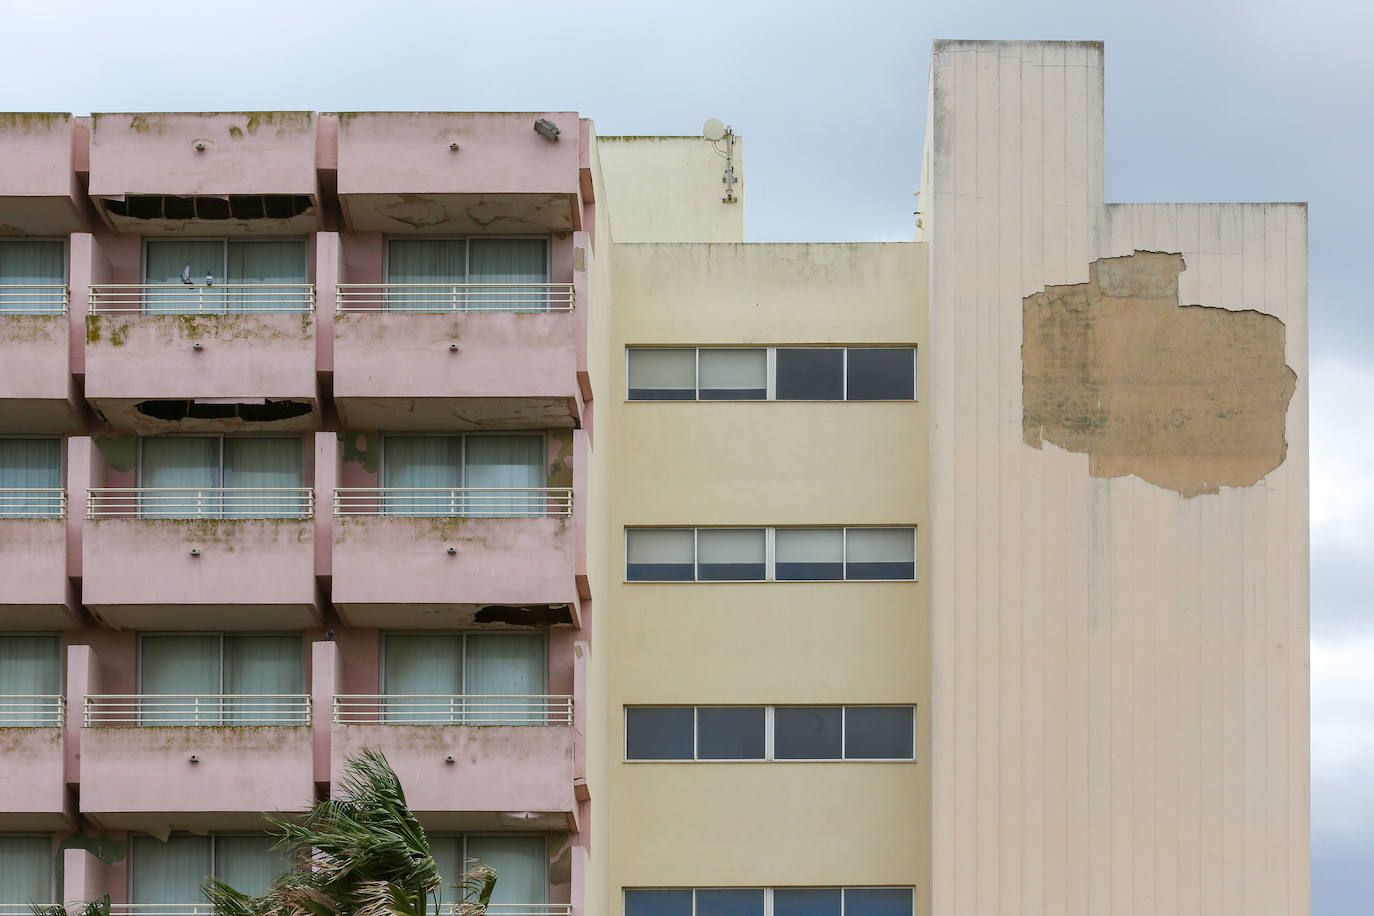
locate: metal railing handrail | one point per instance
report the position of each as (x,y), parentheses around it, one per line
(200,502)
(455,502)
(510,909)
(160,909)
(35,299)
(32,710)
(33,502)
(195,298)
(453,709)
(425,298)
(198,708)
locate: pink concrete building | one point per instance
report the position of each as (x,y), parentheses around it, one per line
(293,416)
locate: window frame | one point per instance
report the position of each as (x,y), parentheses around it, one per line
(467,250)
(223,276)
(66,243)
(220,438)
(770,553)
(463,835)
(771,367)
(53,891)
(542,435)
(211,835)
(769,755)
(220,635)
(463,658)
(768,891)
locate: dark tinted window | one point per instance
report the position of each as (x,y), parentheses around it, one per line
(661,733)
(730,902)
(807,733)
(810,375)
(806,901)
(729,733)
(659,555)
(658,903)
(881,374)
(878,733)
(877,901)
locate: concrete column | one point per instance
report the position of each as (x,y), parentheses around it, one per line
(83,679)
(328,267)
(326,479)
(325,669)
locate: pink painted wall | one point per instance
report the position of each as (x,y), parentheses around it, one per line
(33,795)
(246,153)
(33,568)
(36,393)
(38,191)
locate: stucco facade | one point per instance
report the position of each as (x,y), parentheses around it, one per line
(975,564)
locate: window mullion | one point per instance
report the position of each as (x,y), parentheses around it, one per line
(695,732)
(769,553)
(844,374)
(695,576)
(844,720)
(696,373)
(771,380)
(768,733)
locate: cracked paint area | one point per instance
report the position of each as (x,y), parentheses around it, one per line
(1190,398)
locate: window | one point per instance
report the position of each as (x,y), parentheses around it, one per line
(219,274)
(770,554)
(27,266)
(520,860)
(475,475)
(30,680)
(30,477)
(771,373)
(173,872)
(219,477)
(214,679)
(754,901)
(476,269)
(770,733)
(441,678)
(26,873)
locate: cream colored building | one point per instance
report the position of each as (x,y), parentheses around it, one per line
(1104,463)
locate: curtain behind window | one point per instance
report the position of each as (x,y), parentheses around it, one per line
(26,466)
(520,261)
(170,872)
(163,264)
(262,665)
(505,461)
(26,870)
(277,262)
(185,665)
(256,467)
(32,263)
(248,863)
(520,865)
(423,462)
(188,464)
(426,261)
(507,664)
(29,665)
(417,665)
(448,856)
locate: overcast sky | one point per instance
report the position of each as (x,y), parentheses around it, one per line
(1207,100)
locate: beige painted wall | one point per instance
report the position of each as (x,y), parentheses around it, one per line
(1120,686)
(669,189)
(714,824)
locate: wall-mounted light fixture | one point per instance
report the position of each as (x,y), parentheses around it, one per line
(547,129)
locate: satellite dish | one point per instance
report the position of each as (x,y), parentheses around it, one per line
(713,129)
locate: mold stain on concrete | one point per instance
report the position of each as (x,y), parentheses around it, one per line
(119,452)
(1190,398)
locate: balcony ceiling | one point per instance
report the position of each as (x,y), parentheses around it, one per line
(503,213)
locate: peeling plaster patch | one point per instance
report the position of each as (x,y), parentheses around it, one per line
(415,210)
(119,452)
(1190,398)
(528,615)
(560,863)
(362,448)
(561,471)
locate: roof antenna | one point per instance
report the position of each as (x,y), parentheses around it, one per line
(715,131)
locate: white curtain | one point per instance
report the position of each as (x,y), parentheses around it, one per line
(186,665)
(32,263)
(448,856)
(663,374)
(29,665)
(248,863)
(26,870)
(258,665)
(426,261)
(505,461)
(518,261)
(416,665)
(422,462)
(734,374)
(163,265)
(269,261)
(27,465)
(255,467)
(506,664)
(189,463)
(170,872)
(520,863)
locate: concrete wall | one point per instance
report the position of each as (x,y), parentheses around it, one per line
(1120,685)
(669,189)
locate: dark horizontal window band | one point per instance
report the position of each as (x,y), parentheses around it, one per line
(809,572)
(880,571)
(820,373)
(662,394)
(659,572)
(731,572)
(734,394)
(770,733)
(788,901)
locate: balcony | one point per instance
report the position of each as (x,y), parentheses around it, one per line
(248,754)
(36,394)
(39,195)
(33,791)
(162,558)
(463,764)
(440,558)
(33,561)
(456,356)
(202,358)
(451,172)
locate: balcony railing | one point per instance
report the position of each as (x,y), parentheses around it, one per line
(424,298)
(202,502)
(454,502)
(32,710)
(24,909)
(508,909)
(444,709)
(219,299)
(157,909)
(46,502)
(34,299)
(197,709)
